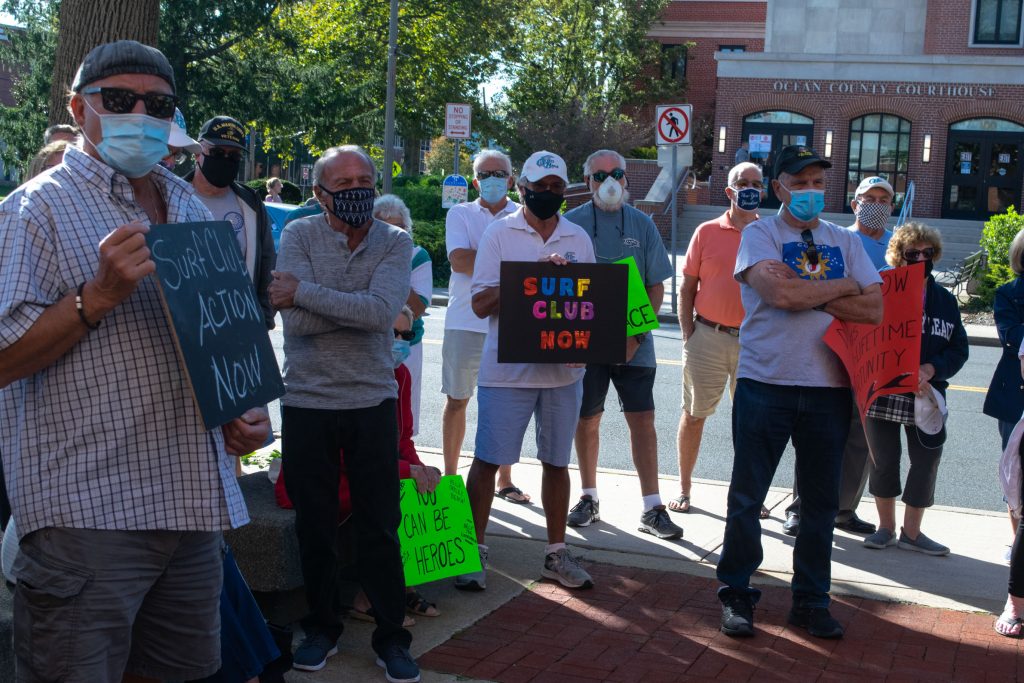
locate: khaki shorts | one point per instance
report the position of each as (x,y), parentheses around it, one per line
(460,362)
(709,363)
(92,604)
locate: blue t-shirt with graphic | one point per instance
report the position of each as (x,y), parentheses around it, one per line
(785,347)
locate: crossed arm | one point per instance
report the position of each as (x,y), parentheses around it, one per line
(842,298)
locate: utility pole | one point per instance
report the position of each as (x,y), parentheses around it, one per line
(389,107)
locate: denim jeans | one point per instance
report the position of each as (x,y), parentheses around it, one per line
(764,418)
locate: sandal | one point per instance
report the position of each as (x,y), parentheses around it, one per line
(368,615)
(513,494)
(420,606)
(765,513)
(1010,625)
(680,503)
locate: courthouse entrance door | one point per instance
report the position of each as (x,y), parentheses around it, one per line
(983,168)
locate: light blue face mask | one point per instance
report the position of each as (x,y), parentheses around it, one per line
(493,189)
(132,143)
(805,205)
(400,351)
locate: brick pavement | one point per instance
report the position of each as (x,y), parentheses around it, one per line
(654,626)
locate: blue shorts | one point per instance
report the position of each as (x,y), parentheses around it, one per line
(503,414)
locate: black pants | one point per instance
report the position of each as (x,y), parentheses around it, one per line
(312,440)
(1016,586)
(884,440)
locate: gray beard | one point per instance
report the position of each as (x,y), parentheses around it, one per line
(604,206)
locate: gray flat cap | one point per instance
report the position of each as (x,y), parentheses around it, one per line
(122,57)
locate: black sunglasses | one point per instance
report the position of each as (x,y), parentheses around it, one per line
(913,255)
(601,176)
(120,101)
(812,250)
(484,175)
(221,153)
(407,335)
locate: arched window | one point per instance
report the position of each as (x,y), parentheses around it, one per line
(778,117)
(988,125)
(879,146)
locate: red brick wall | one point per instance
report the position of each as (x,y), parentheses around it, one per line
(738,97)
(948,31)
(715,12)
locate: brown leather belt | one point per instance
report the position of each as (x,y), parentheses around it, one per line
(718,327)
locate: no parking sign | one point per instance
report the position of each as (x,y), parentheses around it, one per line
(672,124)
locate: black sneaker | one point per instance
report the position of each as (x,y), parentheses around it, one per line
(791,527)
(817,620)
(313,652)
(585,512)
(737,616)
(657,523)
(398,665)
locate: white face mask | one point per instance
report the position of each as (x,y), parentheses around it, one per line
(610,195)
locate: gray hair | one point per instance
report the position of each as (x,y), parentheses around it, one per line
(487,154)
(58,128)
(1017,253)
(391,205)
(736,171)
(588,165)
(318,167)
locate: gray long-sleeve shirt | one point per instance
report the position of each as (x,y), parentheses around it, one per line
(338,336)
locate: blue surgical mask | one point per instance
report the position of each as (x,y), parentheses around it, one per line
(493,189)
(747,198)
(805,205)
(399,351)
(132,143)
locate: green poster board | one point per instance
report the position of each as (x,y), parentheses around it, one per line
(437,534)
(640,315)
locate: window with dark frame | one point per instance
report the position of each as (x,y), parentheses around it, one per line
(673,62)
(997,22)
(732,48)
(879,146)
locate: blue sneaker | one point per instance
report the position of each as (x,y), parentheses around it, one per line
(313,652)
(399,666)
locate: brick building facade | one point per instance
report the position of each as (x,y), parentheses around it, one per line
(923,91)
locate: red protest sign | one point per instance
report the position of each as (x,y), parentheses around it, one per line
(884,359)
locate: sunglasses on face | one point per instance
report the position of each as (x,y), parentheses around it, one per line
(121,101)
(484,175)
(221,153)
(812,250)
(406,335)
(601,176)
(914,255)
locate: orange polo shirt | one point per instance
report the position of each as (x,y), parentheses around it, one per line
(711,257)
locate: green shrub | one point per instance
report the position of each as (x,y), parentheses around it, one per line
(430,236)
(993,278)
(290,192)
(643,152)
(998,233)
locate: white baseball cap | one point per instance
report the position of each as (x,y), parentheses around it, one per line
(542,164)
(874,181)
(179,138)
(930,414)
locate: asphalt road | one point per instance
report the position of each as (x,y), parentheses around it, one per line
(967,474)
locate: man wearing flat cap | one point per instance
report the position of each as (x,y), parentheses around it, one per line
(119,491)
(797,273)
(222,139)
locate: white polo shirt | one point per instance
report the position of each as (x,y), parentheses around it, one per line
(512,239)
(463,229)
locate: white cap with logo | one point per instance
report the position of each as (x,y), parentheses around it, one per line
(872,182)
(542,164)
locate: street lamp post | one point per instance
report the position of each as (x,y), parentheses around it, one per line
(389,107)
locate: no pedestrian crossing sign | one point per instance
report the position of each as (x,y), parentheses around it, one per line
(672,124)
(457,119)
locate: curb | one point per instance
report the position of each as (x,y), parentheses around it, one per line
(973,340)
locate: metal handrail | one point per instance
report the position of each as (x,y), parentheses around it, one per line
(682,179)
(907,210)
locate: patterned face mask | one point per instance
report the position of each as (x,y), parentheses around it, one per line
(353,206)
(873,216)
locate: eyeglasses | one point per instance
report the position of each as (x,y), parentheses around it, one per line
(558,187)
(872,200)
(406,335)
(221,153)
(120,101)
(484,175)
(601,176)
(812,250)
(914,255)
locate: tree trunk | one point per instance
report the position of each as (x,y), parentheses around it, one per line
(84,24)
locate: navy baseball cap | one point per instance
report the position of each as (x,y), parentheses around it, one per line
(795,158)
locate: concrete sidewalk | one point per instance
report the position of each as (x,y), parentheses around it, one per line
(884,596)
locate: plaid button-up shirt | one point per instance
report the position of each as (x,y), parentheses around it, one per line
(108,437)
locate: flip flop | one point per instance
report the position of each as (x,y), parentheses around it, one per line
(368,615)
(513,494)
(680,503)
(1012,626)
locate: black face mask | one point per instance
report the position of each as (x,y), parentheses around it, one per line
(354,206)
(544,204)
(220,171)
(928,263)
